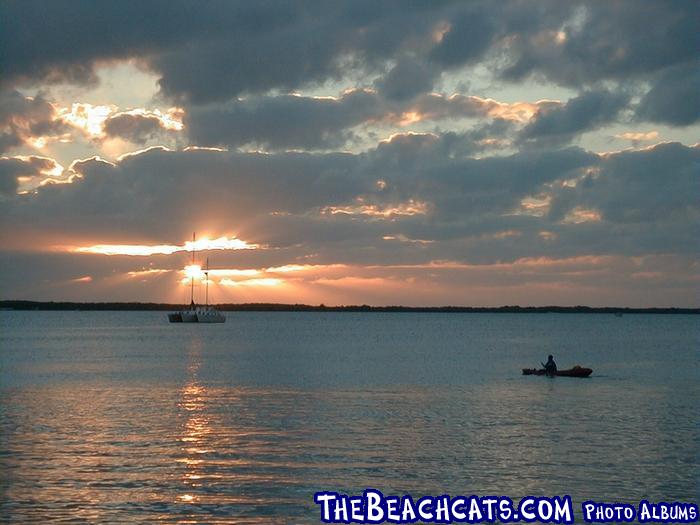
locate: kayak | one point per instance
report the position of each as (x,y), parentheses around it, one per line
(577,371)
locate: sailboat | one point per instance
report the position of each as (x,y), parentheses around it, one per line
(208,314)
(198,314)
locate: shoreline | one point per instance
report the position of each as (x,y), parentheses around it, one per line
(20,305)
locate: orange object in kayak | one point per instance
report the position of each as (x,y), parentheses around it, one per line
(577,371)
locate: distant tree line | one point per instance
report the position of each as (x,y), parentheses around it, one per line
(274,307)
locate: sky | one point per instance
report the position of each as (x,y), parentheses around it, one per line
(360,152)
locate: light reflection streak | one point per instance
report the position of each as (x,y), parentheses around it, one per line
(196,428)
(215,455)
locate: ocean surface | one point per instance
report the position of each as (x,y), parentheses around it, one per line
(120,417)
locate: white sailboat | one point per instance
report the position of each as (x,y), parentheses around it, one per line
(198,314)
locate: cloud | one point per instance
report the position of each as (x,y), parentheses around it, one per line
(382,212)
(286,121)
(289,46)
(135,128)
(34,123)
(438,107)
(9,171)
(138,126)
(627,191)
(582,44)
(560,124)
(222,243)
(407,79)
(220,51)
(470,33)
(14,169)
(27,120)
(404,209)
(62,42)
(298,122)
(596,280)
(419,192)
(675,98)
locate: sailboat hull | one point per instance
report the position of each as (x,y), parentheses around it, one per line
(189,316)
(210,316)
(199,315)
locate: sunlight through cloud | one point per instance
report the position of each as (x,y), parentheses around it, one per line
(222,243)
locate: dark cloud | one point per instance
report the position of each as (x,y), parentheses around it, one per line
(606,41)
(675,98)
(492,136)
(209,51)
(134,127)
(285,121)
(145,192)
(12,168)
(407,79)
(650,186)
(8,179)
(23,117)
(305,44)
(469,35)
(294,122)
(437,107)
(62,41)
(560,124)
(219,50)
(93,167)
(328,203)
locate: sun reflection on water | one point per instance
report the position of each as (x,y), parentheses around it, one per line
(196,429)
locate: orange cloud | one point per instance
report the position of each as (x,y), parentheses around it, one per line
(222,243)
(580,215)
(410,207)
(252,282)
(146,273)
(435,106)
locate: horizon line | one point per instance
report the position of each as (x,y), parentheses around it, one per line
(20,304)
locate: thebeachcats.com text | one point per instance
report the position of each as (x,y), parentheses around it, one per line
(374,507)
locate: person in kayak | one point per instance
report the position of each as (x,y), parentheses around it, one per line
(550,367)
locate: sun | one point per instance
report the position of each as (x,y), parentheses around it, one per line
(193,271)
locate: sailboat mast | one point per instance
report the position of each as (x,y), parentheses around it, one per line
(206,280)
(192,280)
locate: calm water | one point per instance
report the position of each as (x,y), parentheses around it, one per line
(120,417)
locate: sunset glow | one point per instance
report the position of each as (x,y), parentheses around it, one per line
(87,117)
(222,243)
(251,282)
(420,167)
(147,273)
(193,271)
